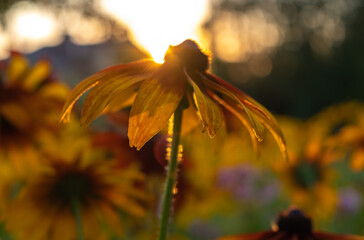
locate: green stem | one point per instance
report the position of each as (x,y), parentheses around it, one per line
(171,174)
(77,214)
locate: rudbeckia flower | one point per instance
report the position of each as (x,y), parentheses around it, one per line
(157,90)
(44,206)
(29,100)
(308,177)
(292,225)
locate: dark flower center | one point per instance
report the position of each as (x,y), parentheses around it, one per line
(307,174)
(295,222)
(73,185)
(189,54)
(7,129)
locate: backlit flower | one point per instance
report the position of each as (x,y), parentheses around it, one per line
(162,87)
(292,225)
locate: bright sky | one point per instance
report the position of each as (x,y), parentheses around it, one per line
(159,23)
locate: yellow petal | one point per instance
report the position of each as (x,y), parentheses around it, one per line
(210,112)
(122,100)
(17,68)
(37,75)
(104,75)
(155,103)
(102,94)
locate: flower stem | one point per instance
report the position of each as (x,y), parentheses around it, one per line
(77,214)
(171,174)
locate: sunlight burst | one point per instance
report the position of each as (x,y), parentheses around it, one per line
(157,24)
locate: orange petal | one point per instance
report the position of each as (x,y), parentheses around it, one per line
(241,115)
(328,236)
(210,112)
(267,235)
(256,125)
(118,70)
(122,100)
(243,101)
(103,94)
(155,103)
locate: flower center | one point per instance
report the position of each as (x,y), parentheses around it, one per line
(7,129)
(295,222)
(190,55)
(73,185)
(307,174)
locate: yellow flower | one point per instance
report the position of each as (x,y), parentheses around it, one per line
(29,100)
(307,177)
(43,209)
(161,89)
(343,131)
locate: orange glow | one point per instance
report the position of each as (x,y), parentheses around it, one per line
(157,24)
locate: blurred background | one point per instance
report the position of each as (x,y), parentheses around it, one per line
(303,60)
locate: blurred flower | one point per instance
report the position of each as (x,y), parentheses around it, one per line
(162,88)
(307,177)
(29,100)
(350,141)
(340,129)
(44,208)
(292,225)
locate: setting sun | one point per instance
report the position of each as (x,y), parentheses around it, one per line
(155,25)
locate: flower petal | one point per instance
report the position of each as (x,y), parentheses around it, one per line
(100,96)
(118,70)
(241,115)
(37,75)
(210,112)
(244,102)
(267,235)
(156,101)
(256,125)
(17,68)
(328,236)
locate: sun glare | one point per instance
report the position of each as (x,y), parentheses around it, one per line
(155,25)
(32,26)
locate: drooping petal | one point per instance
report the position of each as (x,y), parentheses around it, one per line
(156,101)
(243,101)
(120,71)
(329,236)
(210,112)
(256,125)
(121,100)
(242,117)
(267,235)
(101,95)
